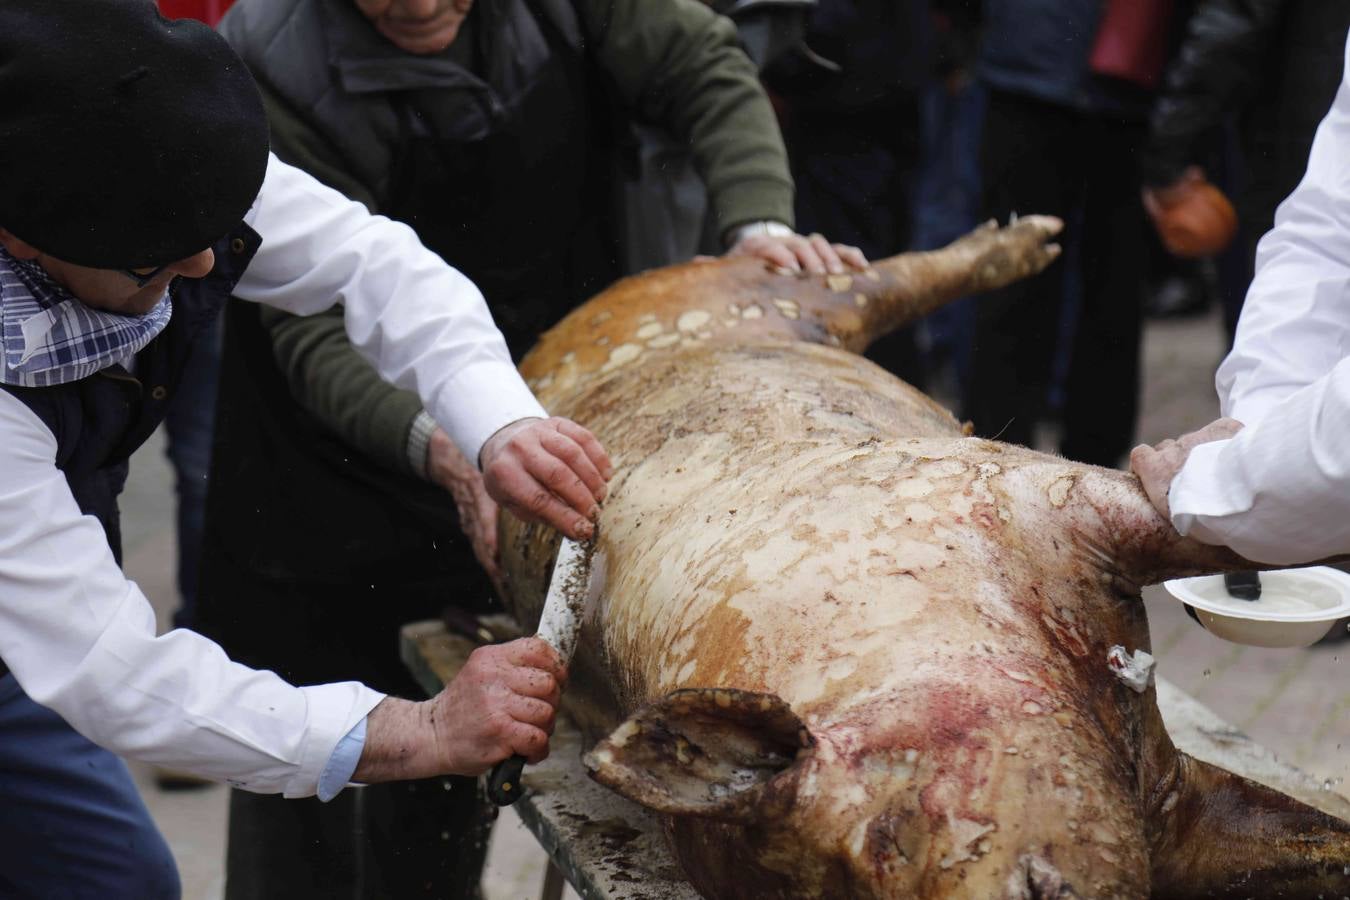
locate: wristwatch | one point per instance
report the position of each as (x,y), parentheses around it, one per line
(765,227)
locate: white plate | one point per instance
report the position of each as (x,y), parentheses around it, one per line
(1297,606)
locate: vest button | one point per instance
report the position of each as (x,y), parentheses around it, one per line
(237,245)
(159,392)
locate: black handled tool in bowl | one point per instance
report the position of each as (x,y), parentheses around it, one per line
(559,625)
(1243,585)
(1240,586)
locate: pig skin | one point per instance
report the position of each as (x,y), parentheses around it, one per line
(860,653)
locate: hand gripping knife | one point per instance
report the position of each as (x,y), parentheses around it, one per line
(568,592)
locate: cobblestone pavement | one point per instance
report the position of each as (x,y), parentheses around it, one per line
(1297,702)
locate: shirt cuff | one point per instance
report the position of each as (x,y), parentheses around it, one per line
(419,441)
(1201,490)
(334,710)
(480,400)
(342,764)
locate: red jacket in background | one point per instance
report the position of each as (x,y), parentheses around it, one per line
(209,11)
(1133,41)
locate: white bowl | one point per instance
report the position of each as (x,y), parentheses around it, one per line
(1297,606)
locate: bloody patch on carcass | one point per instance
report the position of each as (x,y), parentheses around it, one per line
(1064,635)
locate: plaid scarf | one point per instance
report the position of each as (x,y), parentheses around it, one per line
(48,337)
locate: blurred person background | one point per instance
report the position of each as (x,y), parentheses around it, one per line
(1254,78)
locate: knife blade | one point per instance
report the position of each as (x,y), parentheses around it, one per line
(559,626)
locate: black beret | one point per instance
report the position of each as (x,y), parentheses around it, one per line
(126,139)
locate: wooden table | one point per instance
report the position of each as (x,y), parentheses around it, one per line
(608,847)
(605,846)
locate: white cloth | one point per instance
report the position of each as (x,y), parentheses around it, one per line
(1279,491)
(80,638)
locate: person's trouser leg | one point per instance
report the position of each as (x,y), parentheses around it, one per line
(947,204)
(72,824)
(189,425)
(1029,165)
(413,839)
(1102,389)
(853,186)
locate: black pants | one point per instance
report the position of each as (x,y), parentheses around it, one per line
(409,839)
(1041,158)
(854,178)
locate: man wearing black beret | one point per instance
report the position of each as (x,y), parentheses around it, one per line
(137,193)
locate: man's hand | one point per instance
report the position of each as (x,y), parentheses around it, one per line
(549,470)
(1157,466)
(797,252)
(449,468)
(501,703)
(1158,199)
(1193,218)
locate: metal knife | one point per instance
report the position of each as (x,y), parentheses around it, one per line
(559,625)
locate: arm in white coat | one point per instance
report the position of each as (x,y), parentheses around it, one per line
(80,639)
(423,324)
(1279,492)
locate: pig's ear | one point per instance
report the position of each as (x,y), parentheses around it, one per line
(708,752)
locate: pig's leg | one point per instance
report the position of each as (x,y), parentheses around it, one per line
(853,309)
(1106,517)
(904,288)
(1215,834)
(740,301)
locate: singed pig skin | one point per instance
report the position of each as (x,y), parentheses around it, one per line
(865,654)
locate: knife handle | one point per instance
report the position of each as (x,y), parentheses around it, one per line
(504,786)
(1243,585)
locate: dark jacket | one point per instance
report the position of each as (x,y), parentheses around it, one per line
(99,421)
(1040,49)
(882,51)
(1279,61)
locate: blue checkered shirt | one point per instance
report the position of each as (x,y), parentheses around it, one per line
(48,337)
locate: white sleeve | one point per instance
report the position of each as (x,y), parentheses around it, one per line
(80,639)
(1279,492)
(1295,324)
(424,326)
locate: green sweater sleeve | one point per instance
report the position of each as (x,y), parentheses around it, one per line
(674,62)
(327,377)
(678,63)
(336,385)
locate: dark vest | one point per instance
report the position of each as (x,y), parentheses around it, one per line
(504,171)
(99,421)
(305,535)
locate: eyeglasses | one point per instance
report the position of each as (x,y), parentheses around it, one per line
(144,275)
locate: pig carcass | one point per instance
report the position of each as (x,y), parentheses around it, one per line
(847,650)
